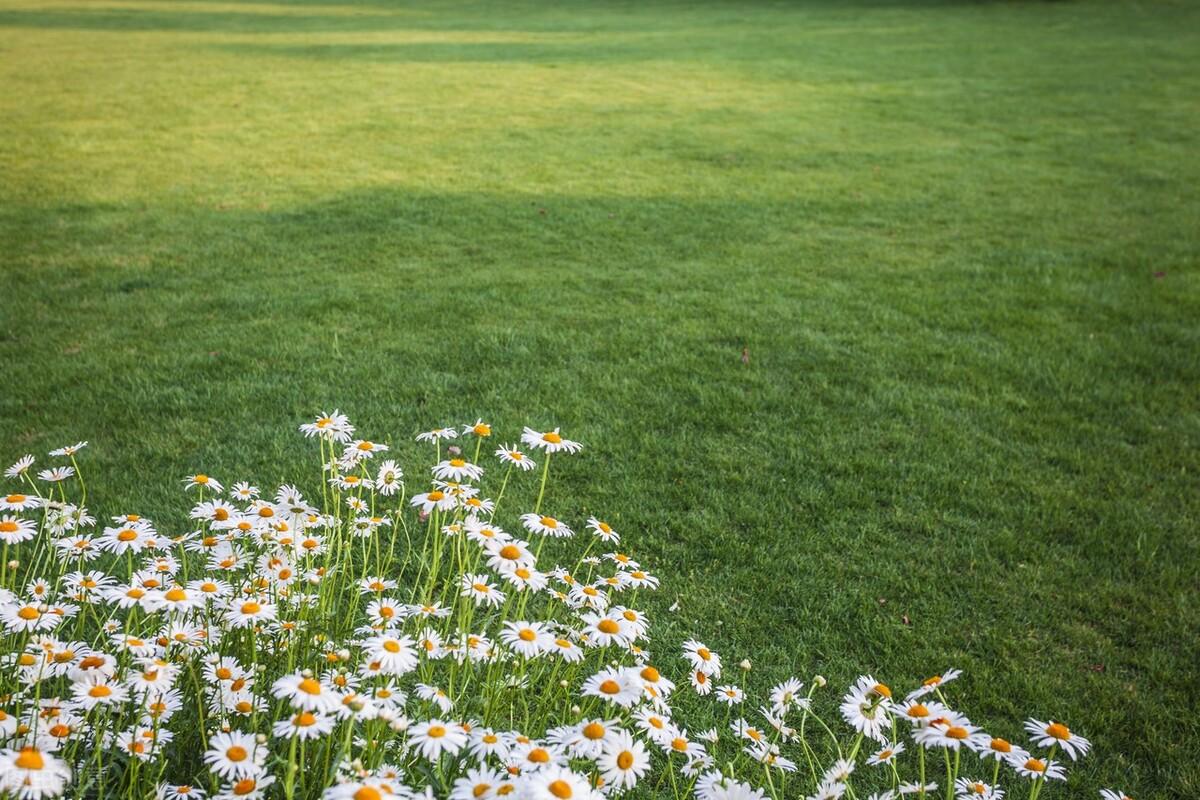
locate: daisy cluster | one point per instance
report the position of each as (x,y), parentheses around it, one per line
(387,638)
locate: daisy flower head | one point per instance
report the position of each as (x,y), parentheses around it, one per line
(56,474)
(730,695)
(252,787)
(334,427)
(702,659)
(969,789)
(233,755)
(480,589)
(951,732)
(546,525)
(932,684)
(69,450)
(437,434)
(994,747)
(180,791)
(620,686)
(19,502)
(435,737)
(509,454)
(865,708)
(1051,734)
(556,783)
(306,692)
(202,481)
(390,478)
(1038,768)
(14,530)
(456,469)
(527,639)
(479,428)
(31,773)
(1113,794)
(20,467)
(603,531)
(434,499)
(248,613)
(623,761)
(550,441)
(786,695)
(304,725)
(917,788)
(886,754)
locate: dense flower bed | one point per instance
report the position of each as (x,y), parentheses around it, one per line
(381,642)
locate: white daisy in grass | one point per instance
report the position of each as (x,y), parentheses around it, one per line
(508,555)
(527,639)
(620,686)
(1113,794)
(950,731)
(429,611)
(69,450)
(244,491)
(56,474)
(769,755)
(917,788)
(248,613)
(334,427)
(395,654)
(19,502)
(437,434)
(588,596)
(587,738)
(20,466)
(1055,734)
(31,773)
(133,537)
(202,481)
(546,526)
(730,695)
(886,754)
(509,454)
(433,738)
(479,588)
(435,695)
(456,469)
(433,499)
(865,708)
(701,658)
(787,695)
(304,725)
(252,787)
(386,612)
(932,684)
(485,742)
(180,791)
(566,649)
(479,429)
(28,617)
(97,689)
(306,692)
(534,755)
(550,441)
(701,683)
(234,754)
(14,530)
(623,761)
(478,505)
(603,531)
(555,783)
(1035,768)
(363,448)
(918,712)
(970,789)
(604,631)
(479,783)
(640,579)
(656,685)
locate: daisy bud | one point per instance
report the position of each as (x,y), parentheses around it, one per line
(398,725)
(386,714)
(356,765)
(563,683)
(343,654)
(357,705)
(820,681)
(42,607)
(454,450)
(261,738)
(306,673)
(575,710)
(745,664)
(14,564)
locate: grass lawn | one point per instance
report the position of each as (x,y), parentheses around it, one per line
(958,242)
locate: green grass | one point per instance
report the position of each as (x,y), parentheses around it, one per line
(958,240)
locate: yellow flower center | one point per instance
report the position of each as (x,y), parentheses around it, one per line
(610,687)
(608,626)
(552,438)
(100,691)
(309,686)
(251,607)
(236,753)
(1058,731)
(435,732)
(549,522)
(392,646)
(126,535)
(29,758)
(28,613)
(624,759)
(8,526)
(560,789)
(176,595)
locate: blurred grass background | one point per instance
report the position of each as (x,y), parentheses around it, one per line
(957,242)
